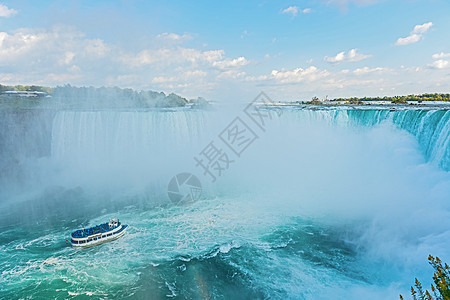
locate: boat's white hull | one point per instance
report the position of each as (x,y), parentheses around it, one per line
(99,241)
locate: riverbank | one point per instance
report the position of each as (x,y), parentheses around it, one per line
(383,105)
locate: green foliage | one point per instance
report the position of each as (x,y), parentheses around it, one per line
(4,88)
(200,102)
(115,97)
(23,88)
(355,100)
(90,97)
(172,100)
(397,99)
(441,279)
(314,101)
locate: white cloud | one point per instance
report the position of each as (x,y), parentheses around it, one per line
(298,75)
(322,78)
(300,82)
(53,56)
(60,78)
(415,35)
(367,70)
(440,64)
(419,29)
(186,76)
(63,54)
(293,10)
(96,47)
(231,74)
(170,56)
(13,45)
(194,55)
(192,81)
(256,78)
(440,55)
(174,37)
(230,63)
(63,42)
(411,39)
(185,59)
(67,58)
(350,56)
(6,12)
(338,58)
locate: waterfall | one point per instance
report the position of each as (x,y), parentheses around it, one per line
(166,140)
(430,127)
(118,134)
(126,147)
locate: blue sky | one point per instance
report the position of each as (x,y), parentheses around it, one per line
(230,50)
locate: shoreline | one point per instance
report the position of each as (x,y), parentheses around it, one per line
(366,105)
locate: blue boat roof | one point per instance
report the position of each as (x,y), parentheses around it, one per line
(81,233)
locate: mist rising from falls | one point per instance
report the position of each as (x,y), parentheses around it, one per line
(129,147)
(136,137)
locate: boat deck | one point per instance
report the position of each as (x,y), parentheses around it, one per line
(81,233)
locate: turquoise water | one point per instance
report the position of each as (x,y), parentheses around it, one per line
(325,205)
(431,129)
(187,252)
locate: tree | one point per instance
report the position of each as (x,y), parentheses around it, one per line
(315,101)
(441,279)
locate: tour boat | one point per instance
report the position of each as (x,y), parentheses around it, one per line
(98,234)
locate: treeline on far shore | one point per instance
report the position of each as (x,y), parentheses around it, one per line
(25,88)
(397,99)
(410,99)
(91,97)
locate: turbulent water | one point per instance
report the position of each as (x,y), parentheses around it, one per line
(324,204)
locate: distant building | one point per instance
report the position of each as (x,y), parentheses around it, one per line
(25,94)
